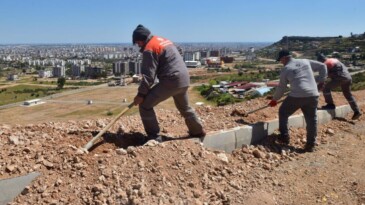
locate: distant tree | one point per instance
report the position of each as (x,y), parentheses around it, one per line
(68,72)
(225,99)
(82,74)
(336,55)
(61,81)
(38,67)
(68,65)
(354,59)
(213,82)
(240,72)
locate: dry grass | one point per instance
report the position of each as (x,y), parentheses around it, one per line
(75,107)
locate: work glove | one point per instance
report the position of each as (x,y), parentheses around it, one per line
(273,103)
(138,100)
(320,86)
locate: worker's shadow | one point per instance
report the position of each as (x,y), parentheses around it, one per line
(344,120)
(121,140)
(167,138)
(124,140)
(272,144)
(243,122)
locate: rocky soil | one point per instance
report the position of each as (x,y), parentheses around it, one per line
(120,170)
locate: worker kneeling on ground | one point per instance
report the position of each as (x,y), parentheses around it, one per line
(162,60)
(303,94)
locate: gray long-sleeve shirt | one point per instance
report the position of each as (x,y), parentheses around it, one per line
(337,70)
(299,74)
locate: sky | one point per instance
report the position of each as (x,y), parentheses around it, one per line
(113,21)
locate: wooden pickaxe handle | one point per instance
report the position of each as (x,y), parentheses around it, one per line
(94,139)
(261,108)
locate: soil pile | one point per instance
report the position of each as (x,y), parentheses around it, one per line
(121,170)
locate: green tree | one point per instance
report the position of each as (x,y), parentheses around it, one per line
(213,82)
(225,99)
(38,67)
(68,65)
(61,81)
(68,72)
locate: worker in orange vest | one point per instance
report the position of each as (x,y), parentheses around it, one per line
(340,76)
(162,62)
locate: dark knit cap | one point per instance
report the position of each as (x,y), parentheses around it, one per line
(282,53)
(321,57)
(140,33)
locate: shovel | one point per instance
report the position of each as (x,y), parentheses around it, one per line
(94,139)
(245,114)
(260,108)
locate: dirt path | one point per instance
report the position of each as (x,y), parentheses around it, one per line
(334,174)
(297,54)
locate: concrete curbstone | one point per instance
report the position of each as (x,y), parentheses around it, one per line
(229,140)
(324,116)
(259,131)
(296,121)
(12,187)
(223,140)
(243,135)
(343,111)
(273,125)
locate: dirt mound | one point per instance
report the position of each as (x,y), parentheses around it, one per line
(122,171)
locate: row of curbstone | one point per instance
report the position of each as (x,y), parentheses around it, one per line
(229,140)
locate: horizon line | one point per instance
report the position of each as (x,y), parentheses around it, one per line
(66,43)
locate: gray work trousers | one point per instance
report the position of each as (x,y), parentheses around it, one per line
(308,105)
(346,90)
(160,93)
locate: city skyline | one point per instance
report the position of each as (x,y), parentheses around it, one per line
(113,21)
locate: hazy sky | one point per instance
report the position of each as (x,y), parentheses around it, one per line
(113,21)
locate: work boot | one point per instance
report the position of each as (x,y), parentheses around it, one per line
(356,115)
(309,147)
(329,107)
(284,139)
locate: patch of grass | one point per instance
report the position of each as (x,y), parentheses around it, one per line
(82,113)
(21,93)
(109,113)
(98,112)
(195,96)
(358,81)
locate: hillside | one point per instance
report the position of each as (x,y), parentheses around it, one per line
(346,48)
(120,171)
